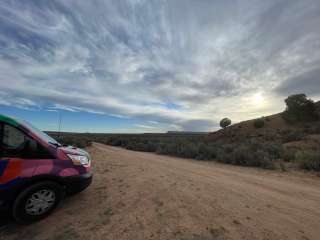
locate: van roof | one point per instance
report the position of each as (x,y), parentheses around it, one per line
(9,120)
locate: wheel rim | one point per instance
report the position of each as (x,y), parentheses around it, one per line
(40,202)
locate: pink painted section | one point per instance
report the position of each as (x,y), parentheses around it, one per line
(29,167)
(68,172)
(44,166)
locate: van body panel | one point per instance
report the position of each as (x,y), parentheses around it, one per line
(16,172)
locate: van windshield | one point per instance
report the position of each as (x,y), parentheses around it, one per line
(41,134)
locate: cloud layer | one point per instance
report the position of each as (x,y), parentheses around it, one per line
(182,63)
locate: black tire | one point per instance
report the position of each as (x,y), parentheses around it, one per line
(19,211)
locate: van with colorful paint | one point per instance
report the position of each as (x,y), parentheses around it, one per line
(36,172)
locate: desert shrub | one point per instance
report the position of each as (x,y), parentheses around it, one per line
(138,145)
(241,156)
(187,150)
(288,155)
(247,155)
(263,160)
(114,142)
(315,129)
(259,123)
(309,160)
(273,149)
(80,142)
(229,148)
(292,136)
(299,108)
(167,149)
(283,167)
(132,146)
(224,157)
(150,147)
(206,152)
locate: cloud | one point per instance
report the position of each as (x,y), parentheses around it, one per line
(145,126)
(198,125)
(308,82)
(181,63)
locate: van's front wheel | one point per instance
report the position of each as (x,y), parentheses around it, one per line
(37,201)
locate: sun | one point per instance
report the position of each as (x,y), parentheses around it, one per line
(258,99)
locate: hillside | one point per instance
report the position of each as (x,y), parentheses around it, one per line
(275,129)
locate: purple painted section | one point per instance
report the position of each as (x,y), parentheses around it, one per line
(68,172)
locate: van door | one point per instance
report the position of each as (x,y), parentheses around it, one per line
(14,165)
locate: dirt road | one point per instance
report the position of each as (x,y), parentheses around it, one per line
(146,196)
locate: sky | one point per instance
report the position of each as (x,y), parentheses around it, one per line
(155,65)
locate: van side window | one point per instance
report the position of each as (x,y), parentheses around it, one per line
(16,143)
(12,138)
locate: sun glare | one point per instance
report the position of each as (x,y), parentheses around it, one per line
(258,99)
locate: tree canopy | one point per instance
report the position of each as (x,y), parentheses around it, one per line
(300,108)
(225,122)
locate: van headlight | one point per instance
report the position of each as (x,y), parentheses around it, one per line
(79,159)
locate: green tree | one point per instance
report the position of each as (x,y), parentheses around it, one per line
(225,122)
(299,108)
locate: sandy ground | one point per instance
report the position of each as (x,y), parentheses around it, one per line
(146,196)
